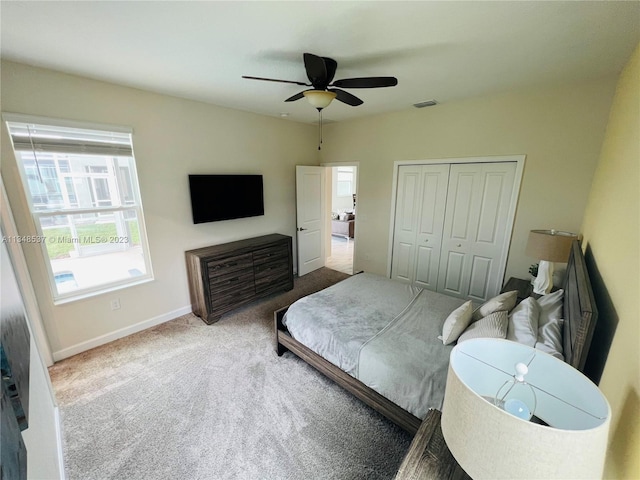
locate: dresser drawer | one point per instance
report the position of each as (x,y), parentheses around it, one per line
(275,253)
(230,297)
(227,280)
(229,264)
(272,277)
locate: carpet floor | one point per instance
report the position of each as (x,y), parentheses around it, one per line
(186,400)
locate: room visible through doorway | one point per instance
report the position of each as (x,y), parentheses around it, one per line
(343,218)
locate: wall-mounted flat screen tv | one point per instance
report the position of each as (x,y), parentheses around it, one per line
(225,197)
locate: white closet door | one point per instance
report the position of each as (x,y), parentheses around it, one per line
(475,224)
(406,222)
(419,220)
(433,199)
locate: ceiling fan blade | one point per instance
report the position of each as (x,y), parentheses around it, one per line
(316,70)
(346,97)
(331,65)
(366,82)
(295,97)
(276,80)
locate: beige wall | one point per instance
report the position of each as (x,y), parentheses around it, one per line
(172,138)
(611,231)
(559,128)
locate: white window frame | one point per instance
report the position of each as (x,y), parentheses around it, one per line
(350,182)
(37,215)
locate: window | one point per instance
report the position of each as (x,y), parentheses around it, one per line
(82,188)
(344,182)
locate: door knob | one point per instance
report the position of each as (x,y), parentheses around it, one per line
(301,229)
(459,245)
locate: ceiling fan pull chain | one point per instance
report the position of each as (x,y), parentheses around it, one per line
(319,128)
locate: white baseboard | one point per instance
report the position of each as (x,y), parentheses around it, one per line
(123,332)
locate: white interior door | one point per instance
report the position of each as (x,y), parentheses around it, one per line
(310,184)
(419,220)
(475,227)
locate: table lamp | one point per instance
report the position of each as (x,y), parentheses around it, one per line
(548,246)
(511,411)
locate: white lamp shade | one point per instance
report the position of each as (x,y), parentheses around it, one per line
(319,98)
(490,443)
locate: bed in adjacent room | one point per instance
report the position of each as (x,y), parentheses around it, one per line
(388,343)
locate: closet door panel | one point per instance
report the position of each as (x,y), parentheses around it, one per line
(433,200)
(460,227)
(451,279)
(475,227)
(406,222)
(490,219)
(426,277)
(497,184)
(461,200)
(403,262)
(480,275)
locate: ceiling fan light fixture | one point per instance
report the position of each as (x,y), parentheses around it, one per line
(319,98)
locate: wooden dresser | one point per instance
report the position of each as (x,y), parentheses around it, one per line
(223,277)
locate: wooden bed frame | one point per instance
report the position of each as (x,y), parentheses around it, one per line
(580,318)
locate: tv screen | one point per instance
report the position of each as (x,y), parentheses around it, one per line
(224,197)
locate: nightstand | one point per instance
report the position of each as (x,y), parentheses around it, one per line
(428,456)
(523,287)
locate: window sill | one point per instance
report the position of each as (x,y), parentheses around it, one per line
(94,293)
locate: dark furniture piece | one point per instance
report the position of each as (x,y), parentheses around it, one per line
(15,363)
(428,456)
(580,317)
(523,287)
(223,277)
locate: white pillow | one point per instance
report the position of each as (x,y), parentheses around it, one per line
(551,307)
(456,323)
(504,301)
(550,338)
(493,325)
(523,322)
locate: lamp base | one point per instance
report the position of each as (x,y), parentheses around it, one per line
(544,281)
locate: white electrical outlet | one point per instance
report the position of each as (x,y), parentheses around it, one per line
(115,304)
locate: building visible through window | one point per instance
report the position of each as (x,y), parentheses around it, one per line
(82,188)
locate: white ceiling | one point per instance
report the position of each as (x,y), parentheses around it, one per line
(443,50)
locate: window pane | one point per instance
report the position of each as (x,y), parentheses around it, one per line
(88,250)
(92,181)
(343,189)
(85,200)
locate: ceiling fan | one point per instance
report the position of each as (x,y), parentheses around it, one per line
(320,72)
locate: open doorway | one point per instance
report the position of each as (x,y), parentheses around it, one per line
(343,217)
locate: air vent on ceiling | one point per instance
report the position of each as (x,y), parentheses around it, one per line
(427,103)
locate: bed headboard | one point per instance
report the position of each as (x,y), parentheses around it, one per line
(580,310)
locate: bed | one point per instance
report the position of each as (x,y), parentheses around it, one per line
(354,356)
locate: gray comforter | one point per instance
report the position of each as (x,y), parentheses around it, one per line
(382,332)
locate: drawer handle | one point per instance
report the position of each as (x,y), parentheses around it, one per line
(225,265)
